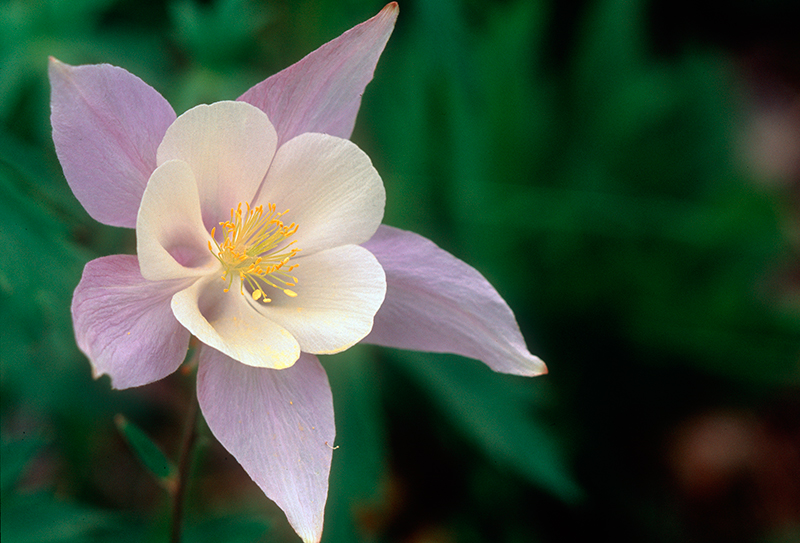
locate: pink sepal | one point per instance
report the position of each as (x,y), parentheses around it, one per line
(107,124)
(322,92)
(438,303)
(279,425)
(124,324)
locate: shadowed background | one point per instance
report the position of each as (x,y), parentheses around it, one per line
(627,174)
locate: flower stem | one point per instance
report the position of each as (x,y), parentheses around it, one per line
(184,462)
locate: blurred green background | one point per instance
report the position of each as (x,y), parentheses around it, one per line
(627,174)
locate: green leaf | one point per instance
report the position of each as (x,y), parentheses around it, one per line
(148,452)
(16,453)
(359,480)
(496,412)
(219,32)
(231,529)
(44,518)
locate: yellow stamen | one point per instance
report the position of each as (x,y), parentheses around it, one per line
(254,248)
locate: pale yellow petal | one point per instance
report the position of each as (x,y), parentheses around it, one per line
(229,147)
(228,323)
(330,188)
(338,293)
(171,241)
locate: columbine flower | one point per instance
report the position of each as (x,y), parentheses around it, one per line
(257,226)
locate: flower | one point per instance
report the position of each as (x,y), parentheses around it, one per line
(258,284)
(258,232)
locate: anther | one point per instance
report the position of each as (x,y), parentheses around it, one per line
(253,248)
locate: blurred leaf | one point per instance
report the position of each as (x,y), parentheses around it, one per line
(218,32)
(230,529)
(36,282)
(497,412)
(611,44)
(15,454)
(202,84)
(42,518)
(148,452)
(358,485)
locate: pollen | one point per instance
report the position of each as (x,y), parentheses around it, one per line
(256,248)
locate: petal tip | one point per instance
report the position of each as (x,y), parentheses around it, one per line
(528,366)
(388,15)
(534,366)
(55,66)
(392,9)
(286,363)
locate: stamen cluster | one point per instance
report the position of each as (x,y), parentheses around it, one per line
(253,248)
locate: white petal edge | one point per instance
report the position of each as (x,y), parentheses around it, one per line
(330,188)
(171,241)
(338,293)
(229,147)
(227,322)
(279,426)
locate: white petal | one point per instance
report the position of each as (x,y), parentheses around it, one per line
(331,189)
(229,146)
(227,322)
(171,241)
(338,293)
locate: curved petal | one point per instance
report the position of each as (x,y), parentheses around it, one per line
(227,322)
(124,324)
(330,188)
(229,146)
(107,124)
(322,92)
(171,241)
(339,292)
(279,425)
(435,302)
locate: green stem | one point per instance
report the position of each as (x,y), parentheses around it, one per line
(184,462)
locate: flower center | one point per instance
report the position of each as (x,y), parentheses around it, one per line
(254,249)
